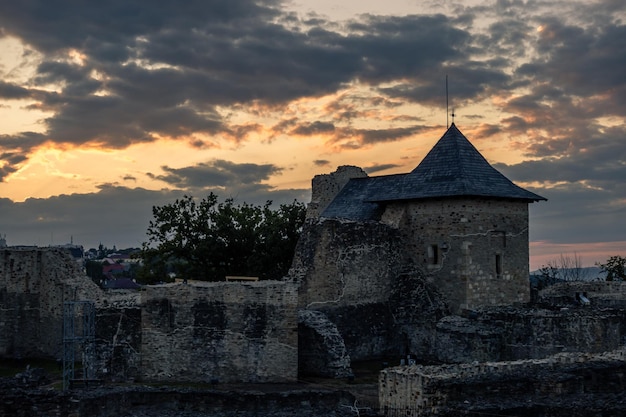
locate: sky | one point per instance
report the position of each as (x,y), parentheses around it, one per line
(110,108)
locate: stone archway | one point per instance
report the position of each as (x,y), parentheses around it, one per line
(321,349)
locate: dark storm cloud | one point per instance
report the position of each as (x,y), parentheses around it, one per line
(600,165)
(242,182)
(582,62)
(470,82)
(314,128)
(584,185)
(14,149)
(576,213)
(372,136)
(321,162)
(218,173)
(163,69)
(167,69)
(396,47)
(486,130)
(56,220)
(115,22)
(79,217)
(377,168)
(13,91)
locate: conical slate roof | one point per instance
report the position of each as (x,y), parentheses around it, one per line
(453,168)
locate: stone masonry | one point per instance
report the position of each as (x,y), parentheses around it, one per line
(222,331)
(450,390)
(235,332)
(326,186)
(34,283)
(481,245)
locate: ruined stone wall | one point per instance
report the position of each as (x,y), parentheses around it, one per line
(341,263)
(606,294)
(225,331)
(230,332)
(474,250)
(452,389)
(357,275)
(324,188)
(506,333)
(344,269)
(117,355)
(34,283)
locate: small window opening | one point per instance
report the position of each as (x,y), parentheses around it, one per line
(433,254)
(498,264)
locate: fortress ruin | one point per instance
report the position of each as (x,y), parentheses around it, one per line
(431,265)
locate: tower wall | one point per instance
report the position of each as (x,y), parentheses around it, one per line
(474,250)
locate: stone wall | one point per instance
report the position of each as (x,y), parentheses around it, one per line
(326,186)
(356,273)
(601,294)
(475,251)
(198,332)
(341,263)
(344,270)
(118,343)
(34,283)
(321,348)
(451,390)
(224,331)
(507,333)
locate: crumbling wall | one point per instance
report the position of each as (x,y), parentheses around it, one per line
(324,188)
(601,294)
(225,331)
(450,390)
(34,283)
(358,275)
(344,269)
(118,343)
(341,263)
(508,333)
(321,348)
(220,331)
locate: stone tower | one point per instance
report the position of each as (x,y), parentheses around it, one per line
(461,222)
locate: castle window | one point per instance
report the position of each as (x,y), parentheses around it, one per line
(433,254)
(498,265)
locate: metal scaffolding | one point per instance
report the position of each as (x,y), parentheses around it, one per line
(79,335)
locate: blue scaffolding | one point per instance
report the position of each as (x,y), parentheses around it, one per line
(79,335)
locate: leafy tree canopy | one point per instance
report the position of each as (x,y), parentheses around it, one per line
(208,240)
(615,268)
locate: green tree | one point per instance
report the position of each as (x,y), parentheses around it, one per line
(207,240)
(94,270)
(615,268)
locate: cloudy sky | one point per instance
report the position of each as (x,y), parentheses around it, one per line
(108,108)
